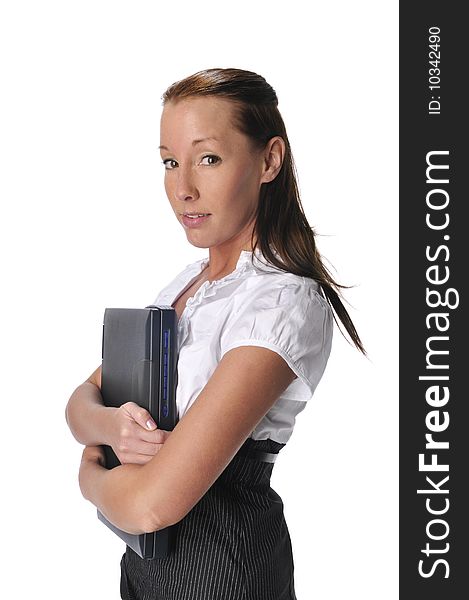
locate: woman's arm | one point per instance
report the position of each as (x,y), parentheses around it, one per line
(86,415)
(146,498)
(129,429)
(96,481)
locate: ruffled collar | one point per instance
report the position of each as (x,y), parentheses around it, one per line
(248,262)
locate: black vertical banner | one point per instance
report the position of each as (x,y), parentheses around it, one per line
(433,262)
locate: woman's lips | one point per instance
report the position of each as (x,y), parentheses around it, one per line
(194,221)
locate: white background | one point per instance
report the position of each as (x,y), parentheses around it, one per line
(85,224)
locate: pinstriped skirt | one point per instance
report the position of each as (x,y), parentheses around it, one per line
(233,545)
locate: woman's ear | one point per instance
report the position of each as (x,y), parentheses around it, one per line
(274,154)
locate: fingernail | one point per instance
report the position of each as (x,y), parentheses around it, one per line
(151,424)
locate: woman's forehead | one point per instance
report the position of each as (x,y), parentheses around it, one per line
(218,111)
(201,102)
(200,119)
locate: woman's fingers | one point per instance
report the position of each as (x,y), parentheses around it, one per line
(132,441)
(141,457)
(134,449)
(139,415)
(158,436)
(137,459)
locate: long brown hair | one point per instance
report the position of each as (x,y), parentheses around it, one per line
(280,220)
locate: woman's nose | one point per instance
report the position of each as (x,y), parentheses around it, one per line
(185,185)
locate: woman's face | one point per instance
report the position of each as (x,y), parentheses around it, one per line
(210,167)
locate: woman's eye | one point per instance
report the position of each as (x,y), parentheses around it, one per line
(165,163)
(170,163)
(217,158)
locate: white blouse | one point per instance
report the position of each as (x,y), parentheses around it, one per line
(255,305)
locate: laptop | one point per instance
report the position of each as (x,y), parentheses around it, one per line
(139,364)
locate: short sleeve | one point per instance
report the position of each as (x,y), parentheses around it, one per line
(294,321)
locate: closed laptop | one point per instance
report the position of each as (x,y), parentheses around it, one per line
(139,364)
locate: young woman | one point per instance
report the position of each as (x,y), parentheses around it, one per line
(255,322)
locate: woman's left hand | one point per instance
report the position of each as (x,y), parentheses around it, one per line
(91,460)
(93,454)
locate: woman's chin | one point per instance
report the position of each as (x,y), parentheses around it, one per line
(196,243)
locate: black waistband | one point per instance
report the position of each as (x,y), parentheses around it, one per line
(258,455)
(262,450)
